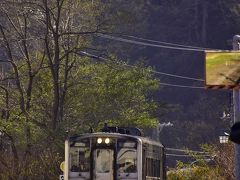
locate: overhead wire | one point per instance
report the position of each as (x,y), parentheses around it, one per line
(184,150)
(177,76)
(166,43)
(184,155)
(164,84)
(157,72)
(149,44)
(187,153)
(182,86)
(178,155)
(168,74)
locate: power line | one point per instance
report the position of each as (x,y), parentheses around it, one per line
(148,44)
(168,74)
(177,76)
(184,155)
(156,72)
(165,84)
(167,43)
(178,155)
(182,86)
(185,150)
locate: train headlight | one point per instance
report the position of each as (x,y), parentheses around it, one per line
(99,140)
(107,140)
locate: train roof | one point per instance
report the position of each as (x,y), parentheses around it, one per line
(115,135)
(112,131)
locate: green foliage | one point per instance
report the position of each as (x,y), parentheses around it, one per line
(44,165)
(219,167)
(51,89)
(196,173)
(90,93)
(111,92)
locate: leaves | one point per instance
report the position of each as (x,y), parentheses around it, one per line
(112,92)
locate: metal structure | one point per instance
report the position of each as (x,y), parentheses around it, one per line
(115,153)
(236,111)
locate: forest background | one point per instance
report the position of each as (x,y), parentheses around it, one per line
(60,74)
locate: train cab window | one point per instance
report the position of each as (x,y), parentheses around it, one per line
(127,157)
(104,160)
(79,159)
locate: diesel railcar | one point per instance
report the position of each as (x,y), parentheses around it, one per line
(114,154)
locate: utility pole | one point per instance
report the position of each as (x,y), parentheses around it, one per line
(236,111)
(160,127)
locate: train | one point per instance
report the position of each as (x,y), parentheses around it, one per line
(114,153)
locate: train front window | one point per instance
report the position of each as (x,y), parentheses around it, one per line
(103,160)
(80,157)
(127,157)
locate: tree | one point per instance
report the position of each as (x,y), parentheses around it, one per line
(48,86)
(219,166)
(113,92)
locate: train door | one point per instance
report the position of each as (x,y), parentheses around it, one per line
(103,163)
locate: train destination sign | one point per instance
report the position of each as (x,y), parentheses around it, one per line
(222,69)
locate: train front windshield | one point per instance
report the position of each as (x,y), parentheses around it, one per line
(127,157)
(79,159)
(103,159)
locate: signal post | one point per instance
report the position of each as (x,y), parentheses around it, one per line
(222,72)
(236,111)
